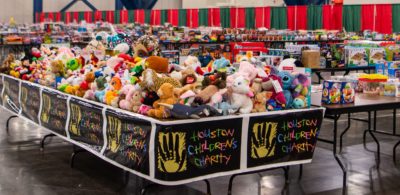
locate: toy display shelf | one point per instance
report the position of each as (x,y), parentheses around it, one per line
(268,41)
(169,152)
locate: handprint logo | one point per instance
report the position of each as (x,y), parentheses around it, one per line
(172,152)
(75,119)
(263,140)
(114,133)
(45,108)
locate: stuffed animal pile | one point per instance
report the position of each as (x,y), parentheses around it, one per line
(149,85)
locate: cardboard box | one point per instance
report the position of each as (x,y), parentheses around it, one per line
(311,58)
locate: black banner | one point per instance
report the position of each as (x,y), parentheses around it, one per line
(128,140)
(86,123)
(282,137)
(30,101)
(54,111)
(11,94)
(1,89)
(185,151)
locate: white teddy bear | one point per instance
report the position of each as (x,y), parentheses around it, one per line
(241,94)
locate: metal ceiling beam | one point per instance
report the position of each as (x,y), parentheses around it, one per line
(70,4)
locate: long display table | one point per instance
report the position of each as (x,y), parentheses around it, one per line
(170,152)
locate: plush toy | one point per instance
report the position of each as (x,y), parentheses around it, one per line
(188,76)
(121,48)
(111,98)
(217,97)
(90,94)
(187,98)
(144,109)
(287,80)
(181,111)
(246,70)
(136,101)
(299,102)
(126,95)
(220,64)
(260,101)
(225,108)
(241,94)
(218,79)
(158,64)
(149,98)
(256,85)
(153,82)
(73,64)
(205,95)
(273,83)
(193,63)
(166,94)
(300,85)
(116,83)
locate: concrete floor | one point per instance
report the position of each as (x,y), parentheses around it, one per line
(24,169)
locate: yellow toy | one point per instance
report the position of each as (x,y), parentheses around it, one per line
(166,94)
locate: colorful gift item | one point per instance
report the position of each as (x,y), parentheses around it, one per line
(348,92)
(370,83)
(331,92)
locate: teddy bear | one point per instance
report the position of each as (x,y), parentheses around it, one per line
(136,101)
(193,63)
(158,64)
(260,101)
(241,93)
(166,94)
(204,96)
(188,76)
(256,85)
(153,82)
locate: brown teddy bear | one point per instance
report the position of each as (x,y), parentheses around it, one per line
(158,64)
(6,67)
(260,101)
(166,94)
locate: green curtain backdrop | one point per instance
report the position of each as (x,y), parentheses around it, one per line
(131,16)
(104,15)
(250,19)
(63,16)
(352,17)
(314,17)
(147,16)
(278,17)
(225,17)
(182,17)
(117,17)
(203,17)
(164,17)
(396,17)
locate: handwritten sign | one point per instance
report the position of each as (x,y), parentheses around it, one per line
(86,123)
(1,89)
(30,101)
(282,138)
(11,94)
(196,149)
(54,111)
(128,140)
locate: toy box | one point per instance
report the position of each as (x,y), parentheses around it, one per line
(377,56)
(348,92)
(331,92)
(356,57)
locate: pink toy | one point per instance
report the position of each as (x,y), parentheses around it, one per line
(143,109)
(246,69)
(273,83)
(127,103)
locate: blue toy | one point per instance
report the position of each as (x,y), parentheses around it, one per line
(221,64)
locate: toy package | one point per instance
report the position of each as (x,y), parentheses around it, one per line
(356,57)
(348,92)
(331,92)
(377,56)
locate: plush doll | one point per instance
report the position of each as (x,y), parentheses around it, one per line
(300,85)
(149,98)
(241,94)
(287,80)
(166,94)
(188,76)
(136,101)
(260,101)
(153,82)
(193,63)
(299,102)
(187,98)
(218,79)
(121,48)
(217,97)
(225,108)
(101,85)
(126,103)
(90,94)
(73,64)
(220,64)
(114,64)
(256,85)
(158,64)
(111,98)
(246,70)
(181,111)
(273,83)
(205,95)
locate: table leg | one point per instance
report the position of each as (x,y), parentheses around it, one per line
(8,123)
(394,151)
(319,77)
(300,172)
(74,153)
(344,132)
(375,120)
(376,140)
(336,118)
(208,186)
(394,121)
(44,139)
(346,72)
